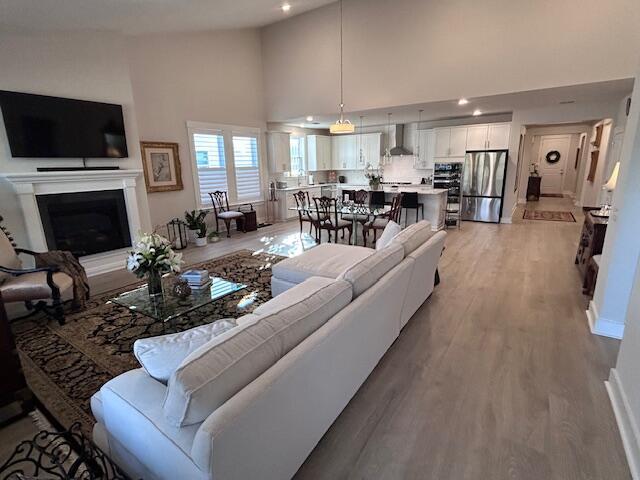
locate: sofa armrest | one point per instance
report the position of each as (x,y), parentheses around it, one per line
(133,416)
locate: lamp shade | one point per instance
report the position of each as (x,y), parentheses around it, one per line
(613,179)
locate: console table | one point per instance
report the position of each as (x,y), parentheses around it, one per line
(591,241)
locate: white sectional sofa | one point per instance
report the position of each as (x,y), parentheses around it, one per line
(255,400)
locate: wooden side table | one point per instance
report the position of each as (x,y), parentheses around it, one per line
(591,240)
(533,188)
(591,275)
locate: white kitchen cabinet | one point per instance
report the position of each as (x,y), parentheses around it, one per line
(278,152)
(477,137)
(319,153)
(458,142)
(344,152)
(498,136)
(368,150)
(426,149)
(443,136)
(451,142)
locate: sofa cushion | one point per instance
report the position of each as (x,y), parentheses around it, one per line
(326,260)
(216,371)
(161,355)
(413,236)
(369,270)
(390,231)
(294,295)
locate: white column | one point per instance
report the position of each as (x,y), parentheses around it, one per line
(607,310)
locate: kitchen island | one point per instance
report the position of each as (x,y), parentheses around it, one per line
(434,199)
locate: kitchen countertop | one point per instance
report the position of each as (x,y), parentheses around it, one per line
(414,187)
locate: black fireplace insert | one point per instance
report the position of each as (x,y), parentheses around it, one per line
(85,222)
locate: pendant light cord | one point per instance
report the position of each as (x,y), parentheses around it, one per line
(341,64)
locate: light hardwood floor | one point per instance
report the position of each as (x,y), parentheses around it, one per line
(495,377)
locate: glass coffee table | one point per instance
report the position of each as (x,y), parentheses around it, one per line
(167,308)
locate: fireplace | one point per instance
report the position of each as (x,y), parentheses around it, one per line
(85,222)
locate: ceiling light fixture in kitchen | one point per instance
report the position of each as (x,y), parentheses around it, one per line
(386,158)
(342,125)
(463,101)
(285,7)
(476,112)
(309,118)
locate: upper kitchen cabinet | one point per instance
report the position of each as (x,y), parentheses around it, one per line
(477,137)
(450,142)
(498,136)
(319,152)
(493,136)
(344,152)
(278,152)
(368,150)
(425,150)
(442,137)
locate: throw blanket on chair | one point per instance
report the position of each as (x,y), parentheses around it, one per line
(70,265)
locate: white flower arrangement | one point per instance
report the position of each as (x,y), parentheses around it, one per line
(153,252)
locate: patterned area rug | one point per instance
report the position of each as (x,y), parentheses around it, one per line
(65,365)
(552,195)
(548,215)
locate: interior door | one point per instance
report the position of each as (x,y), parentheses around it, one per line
(552,160)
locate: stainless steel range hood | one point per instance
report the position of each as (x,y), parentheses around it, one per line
(396,141)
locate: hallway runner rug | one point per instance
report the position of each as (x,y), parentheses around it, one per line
(66,364)
(549,215)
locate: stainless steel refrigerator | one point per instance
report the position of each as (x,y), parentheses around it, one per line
(483,185)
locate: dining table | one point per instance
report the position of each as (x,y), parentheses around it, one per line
(359,213)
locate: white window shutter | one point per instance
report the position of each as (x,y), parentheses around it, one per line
(247,168)
(211,164)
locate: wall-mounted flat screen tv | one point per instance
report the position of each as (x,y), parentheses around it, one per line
(39,126)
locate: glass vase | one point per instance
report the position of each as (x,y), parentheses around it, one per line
(154,283)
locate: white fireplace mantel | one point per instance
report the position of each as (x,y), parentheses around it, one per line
(28,185)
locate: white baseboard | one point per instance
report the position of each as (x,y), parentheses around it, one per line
(602,326)
(509,219)
(506,220)
(626,422)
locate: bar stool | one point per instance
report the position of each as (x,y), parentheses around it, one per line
(410,201)
(376,197)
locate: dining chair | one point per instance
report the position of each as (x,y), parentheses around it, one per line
(329,219)
(306,211)
(222,211)
(359,197)
(379,222)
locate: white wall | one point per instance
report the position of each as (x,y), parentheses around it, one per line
(210,77)
(608,308)
(413,51)
(87,66)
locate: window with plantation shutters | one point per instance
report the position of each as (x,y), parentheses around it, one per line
(226,158)
(247,168)
(211,165)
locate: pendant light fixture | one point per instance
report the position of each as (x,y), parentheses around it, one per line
(342,125)
(416,150)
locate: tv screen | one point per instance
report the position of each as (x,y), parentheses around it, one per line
(51,127)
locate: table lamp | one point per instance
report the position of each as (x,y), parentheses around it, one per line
(609,187)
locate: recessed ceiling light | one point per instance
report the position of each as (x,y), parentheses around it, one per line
(309,118)
(476,112)
(463,101)
(302,125)
(286,7)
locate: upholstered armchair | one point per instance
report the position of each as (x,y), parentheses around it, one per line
(42,288)
(222,212)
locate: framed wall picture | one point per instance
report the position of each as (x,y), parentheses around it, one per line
(161,163)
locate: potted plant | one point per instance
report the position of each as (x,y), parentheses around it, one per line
(151,257)
(214,237)
(374,176)
(201,234)
(193,220)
